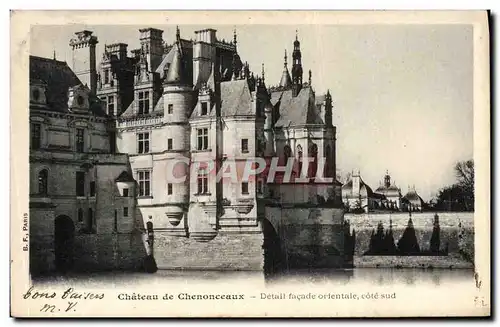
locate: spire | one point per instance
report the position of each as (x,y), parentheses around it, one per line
(178,40)
(235,42)
(297,66)
(54,54)
(263,73)
(286,80)
(310,77)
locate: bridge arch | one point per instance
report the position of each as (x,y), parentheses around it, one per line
(274,254)
(64,235)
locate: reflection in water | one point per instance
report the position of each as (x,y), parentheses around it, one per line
(375,276)
(372,276)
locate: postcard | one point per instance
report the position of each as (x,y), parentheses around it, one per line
(250,164)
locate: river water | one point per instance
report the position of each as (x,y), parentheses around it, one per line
(357,276)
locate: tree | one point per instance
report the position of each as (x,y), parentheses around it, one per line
(435,238)
(459,196)
(408,243)
(464,171)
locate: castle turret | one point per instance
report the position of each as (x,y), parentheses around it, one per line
(328,109)
(177,100)
(84,58)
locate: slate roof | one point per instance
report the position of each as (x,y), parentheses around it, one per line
(124,177)
(236,99)
(392,190)
(413,197)
(297,110)
(187,52)
(58,78)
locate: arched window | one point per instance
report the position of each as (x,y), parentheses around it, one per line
(299,159)
(328,162)
(42,181)
(313,164)
(287,153)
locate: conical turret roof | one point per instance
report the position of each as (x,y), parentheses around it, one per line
(175,74)
(286,80)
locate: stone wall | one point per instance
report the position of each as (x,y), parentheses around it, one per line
(224,252)
(310,237)
(91,252)
(109,252)
(459,240)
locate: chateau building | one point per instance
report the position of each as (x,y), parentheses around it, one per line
(105,136)
(357,195)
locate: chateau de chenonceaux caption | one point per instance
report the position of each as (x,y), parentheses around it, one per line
(179,155)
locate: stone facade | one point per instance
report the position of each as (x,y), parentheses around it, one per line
(105,136)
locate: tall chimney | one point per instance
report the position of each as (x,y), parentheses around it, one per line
(84,58)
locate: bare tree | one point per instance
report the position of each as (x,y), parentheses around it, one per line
(464,171)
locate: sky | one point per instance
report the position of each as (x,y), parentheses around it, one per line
(403,94)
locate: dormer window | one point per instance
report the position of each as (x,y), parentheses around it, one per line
(111,105)
(106,76)
(143,102)
(37,93)
(204,108)
(80,100)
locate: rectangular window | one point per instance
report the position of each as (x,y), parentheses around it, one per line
(244,188)
(80,183)
(125,211)
(36,136)
(143,102)
(80,132)
(144,178)
(92,188)
(204,108)
(170,108)
(111,105)
(170,189)
(115,222)
(202,138)
(106,76)
(244,145)
(169,144)
(125,192)
(202,183)
(142,142)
